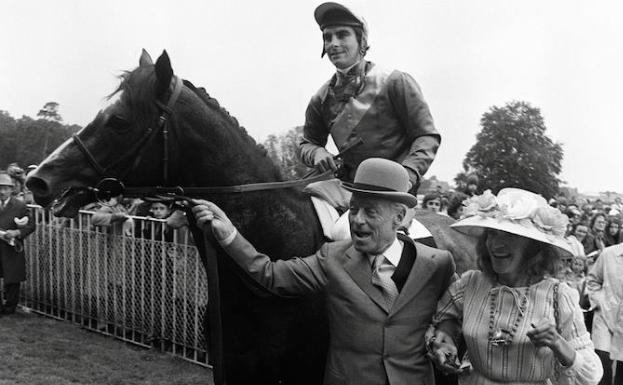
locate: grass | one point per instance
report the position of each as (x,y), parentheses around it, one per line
(36,350)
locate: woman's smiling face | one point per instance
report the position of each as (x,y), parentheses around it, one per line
(508,251)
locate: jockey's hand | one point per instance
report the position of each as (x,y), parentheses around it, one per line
(209,215)
(323,161)
(444,353)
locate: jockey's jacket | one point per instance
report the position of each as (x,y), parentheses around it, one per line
(384,108)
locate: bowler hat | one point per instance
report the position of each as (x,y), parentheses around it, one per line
(5,180)
(383,179)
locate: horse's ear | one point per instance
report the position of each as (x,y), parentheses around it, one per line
(145,59)
(164,72)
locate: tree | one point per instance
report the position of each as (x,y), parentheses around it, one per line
(512,150)
(7,141)
(50,112)
(283,150)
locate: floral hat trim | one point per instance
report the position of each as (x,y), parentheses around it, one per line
(520,207)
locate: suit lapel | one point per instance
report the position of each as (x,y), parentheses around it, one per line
(358,267)
(405,265)
(421,273)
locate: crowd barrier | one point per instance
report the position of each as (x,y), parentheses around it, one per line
(141,288)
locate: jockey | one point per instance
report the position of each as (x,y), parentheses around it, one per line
(361,101)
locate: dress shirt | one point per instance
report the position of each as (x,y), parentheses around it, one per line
(392,254)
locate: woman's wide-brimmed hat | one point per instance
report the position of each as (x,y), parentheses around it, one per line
(382,178)
(515,211)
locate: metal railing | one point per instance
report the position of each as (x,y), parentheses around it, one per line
(148,288)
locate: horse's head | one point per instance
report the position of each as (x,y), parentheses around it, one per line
(160,131)
(125,140)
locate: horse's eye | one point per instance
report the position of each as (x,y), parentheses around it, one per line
(117,123)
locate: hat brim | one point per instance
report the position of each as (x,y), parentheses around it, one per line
(394,196)
(322,9)
(475,226)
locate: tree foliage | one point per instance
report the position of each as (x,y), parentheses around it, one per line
(283,150)
(28,141)
(50,112)
(512,150)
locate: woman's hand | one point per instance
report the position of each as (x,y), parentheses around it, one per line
(443,353)
(544,334)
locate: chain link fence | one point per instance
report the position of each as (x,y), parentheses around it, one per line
(142,289)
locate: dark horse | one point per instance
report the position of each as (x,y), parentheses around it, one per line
(267,340)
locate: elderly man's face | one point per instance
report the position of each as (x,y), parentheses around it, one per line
(5,192)
(341,46)
(373,223)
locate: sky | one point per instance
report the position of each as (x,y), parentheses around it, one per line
(261,60)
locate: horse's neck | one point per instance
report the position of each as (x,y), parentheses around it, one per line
(281,223)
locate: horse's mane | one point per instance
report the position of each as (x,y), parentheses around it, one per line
(139,90)
(209,100)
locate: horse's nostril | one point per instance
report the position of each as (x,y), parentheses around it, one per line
(38,186)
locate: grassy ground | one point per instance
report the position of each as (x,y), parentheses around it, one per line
(36,350)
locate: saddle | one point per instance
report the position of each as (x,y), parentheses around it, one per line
(331,202)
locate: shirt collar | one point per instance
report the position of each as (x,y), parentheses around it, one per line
(392,253)
(6,202)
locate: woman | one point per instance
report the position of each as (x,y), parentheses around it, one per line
(575,239)
(595,239)
(518,323)
(613,236)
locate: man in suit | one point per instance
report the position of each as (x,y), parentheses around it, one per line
(381,287)
(15,224)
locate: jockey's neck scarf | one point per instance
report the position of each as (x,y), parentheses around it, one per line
(349,81)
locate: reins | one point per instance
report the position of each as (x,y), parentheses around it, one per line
(112,184)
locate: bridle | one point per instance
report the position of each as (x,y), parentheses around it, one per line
(111,183)
(166,111)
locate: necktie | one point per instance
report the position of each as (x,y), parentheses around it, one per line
(382,278)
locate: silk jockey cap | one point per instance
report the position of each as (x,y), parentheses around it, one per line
(331,14)
(383,179)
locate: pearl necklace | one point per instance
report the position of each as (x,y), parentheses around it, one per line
(504,337)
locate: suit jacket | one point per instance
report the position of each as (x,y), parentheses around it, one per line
(369,343)
(12,261)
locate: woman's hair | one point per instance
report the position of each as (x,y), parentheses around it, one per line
(594,218)
(541,259)
(429,197)
(616,238)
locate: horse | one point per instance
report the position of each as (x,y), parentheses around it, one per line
(266,340)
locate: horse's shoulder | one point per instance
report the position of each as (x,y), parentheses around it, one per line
(438,256)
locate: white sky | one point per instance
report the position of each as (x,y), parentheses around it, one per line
(261,60)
